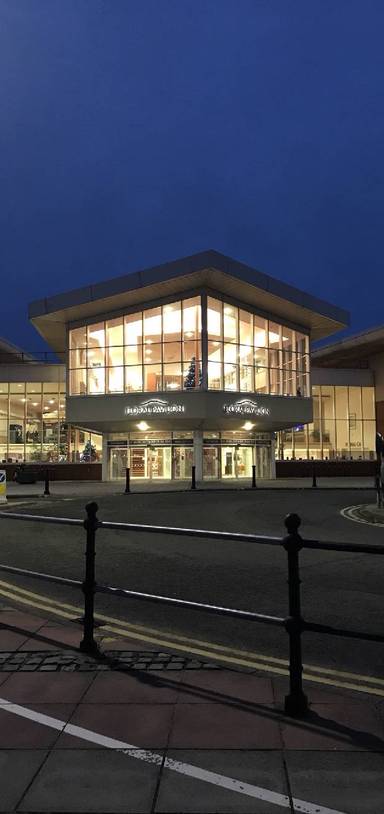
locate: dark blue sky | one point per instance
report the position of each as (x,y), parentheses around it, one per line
(137,131)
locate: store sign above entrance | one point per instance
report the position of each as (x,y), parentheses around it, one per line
(155,407)
(245,407)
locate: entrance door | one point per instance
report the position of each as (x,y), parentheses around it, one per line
(160,462)
(228,468)
(211,462)
(244,462)
(183,460)
(139,463)
(118,462)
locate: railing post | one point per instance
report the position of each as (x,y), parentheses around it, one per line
(314,481)
(46,483)
(127,481)
(378,491)
(296,702)
(193,483)
(91,523)
(254,486)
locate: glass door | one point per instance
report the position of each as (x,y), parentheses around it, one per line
(211,462)
(228,465)
(160,462)
(139,462)
(183,460)
(244,462)
(118,457)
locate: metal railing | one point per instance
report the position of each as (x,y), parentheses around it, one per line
(296,702)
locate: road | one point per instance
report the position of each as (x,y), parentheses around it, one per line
(337,589)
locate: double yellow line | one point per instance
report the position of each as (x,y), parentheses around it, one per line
(195,647)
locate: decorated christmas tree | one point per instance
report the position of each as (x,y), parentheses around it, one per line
(89,452)
(190,379)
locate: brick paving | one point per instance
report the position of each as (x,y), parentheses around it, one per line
(144,731)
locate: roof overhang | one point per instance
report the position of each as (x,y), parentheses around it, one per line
(207,269)
(352,349)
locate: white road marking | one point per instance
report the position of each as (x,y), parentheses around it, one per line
(186,769)
(349,514)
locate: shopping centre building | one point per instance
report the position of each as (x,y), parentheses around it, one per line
(200,361)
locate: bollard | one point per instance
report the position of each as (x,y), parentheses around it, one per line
(378,487)
(91,523)
(127,481)
(46,483)
(314,482)
(296,702)
(254,486)
(193,484)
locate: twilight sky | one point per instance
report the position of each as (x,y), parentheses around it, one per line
(133,132)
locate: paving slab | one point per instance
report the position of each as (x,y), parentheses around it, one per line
(21,733)
(142,725)
(179,794)
(218,726)
(345,781)
(99,780)
(132,688)
(16,773)
(202,686)
(53,688)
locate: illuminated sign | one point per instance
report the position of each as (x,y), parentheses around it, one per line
(245,407)
(155,407)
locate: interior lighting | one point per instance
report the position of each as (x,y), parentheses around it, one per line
(142,425)
(228,311)
(188,334)
(173,386)
(51,401)
(35,403)
(248,425)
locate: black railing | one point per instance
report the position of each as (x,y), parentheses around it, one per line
(296,701)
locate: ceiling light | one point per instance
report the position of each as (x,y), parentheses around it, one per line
(51,401)
(248,425)
(35,403)
(148,342)
(173,386)
(188,334)
(142,425)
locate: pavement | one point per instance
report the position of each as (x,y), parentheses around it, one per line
(95,488)
(143,731)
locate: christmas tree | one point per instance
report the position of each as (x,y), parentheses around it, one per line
(190,379)
(89,452)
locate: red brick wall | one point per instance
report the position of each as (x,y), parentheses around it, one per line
(59,471)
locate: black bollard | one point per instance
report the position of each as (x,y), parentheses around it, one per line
(127,481)
(193,483)
(46,483)
(254,485)
(314,481)
(91,523)
(296,702)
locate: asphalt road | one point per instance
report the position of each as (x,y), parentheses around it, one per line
(337,589)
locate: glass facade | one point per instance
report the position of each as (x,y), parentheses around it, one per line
(157,349)
(32,416)
(33,428)
(343,426)
(160,349)
(251,354)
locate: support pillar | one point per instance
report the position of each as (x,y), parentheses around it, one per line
(273,458)
(198,453)
(104,460)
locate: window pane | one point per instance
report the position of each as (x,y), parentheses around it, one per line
(96,380)
(230,323)
(369,430)
(133,329)
(152,353)
(172,351)
(246,378)
(246,328)
(260,331)
(133,379)
(230,353)
(34,406)
(215,372)
(133,354)
(152,378)
(96,345)
(261,379)
(152,325)
(192,374)
(341,399)
(215,351)
(78,338)
(342,436)
(172,377)
(230,377)
(115,380)
(214,319)
(172,321)
(354,394)
(78,382)
(115,340)
(192,318)
(275,381)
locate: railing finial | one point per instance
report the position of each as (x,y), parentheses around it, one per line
(292,523)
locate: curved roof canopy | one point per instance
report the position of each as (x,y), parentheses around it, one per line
(208,269)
